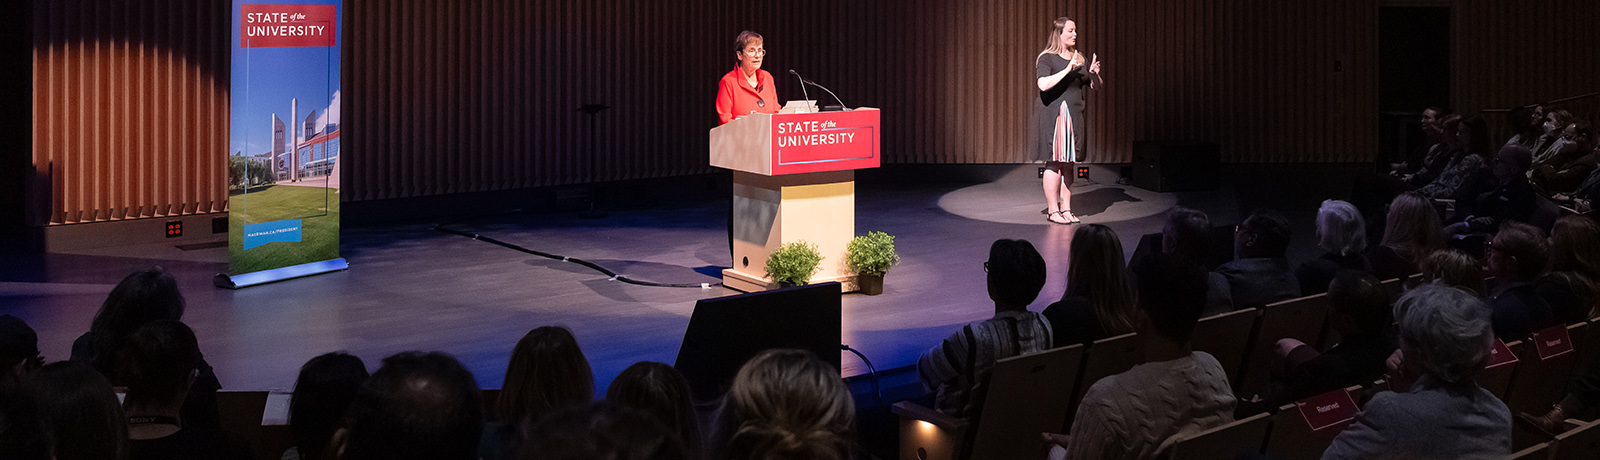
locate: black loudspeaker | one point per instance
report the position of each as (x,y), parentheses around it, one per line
(1175,166)
(725,332)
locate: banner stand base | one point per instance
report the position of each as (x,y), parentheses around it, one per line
(223,280)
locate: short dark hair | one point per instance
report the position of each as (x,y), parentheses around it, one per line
(1271,231)
(744,39)
(81,409)
(1172,294)
(1186,234)
(547,372)
(659,390)
(1360,296)
(322,393)
(1527,244)
(156,360)
(18,343)
(1016,272)
(601,430)
(417,406)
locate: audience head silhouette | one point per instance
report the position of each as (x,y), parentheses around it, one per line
(23,433)
(417,406)
(1186,234)
(1412,227)
(159,361)
(547,372)
(1359,303)
(322,393)
(1340,228)
(786,404)
(1265,234)
(601,430)
(1016,274)
(1518,252)
(1095,270)
(1445,336)
(661,392)
(142,296)
(1172,293)
(82,412)
(19,348)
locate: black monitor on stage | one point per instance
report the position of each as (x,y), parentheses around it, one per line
(724,332)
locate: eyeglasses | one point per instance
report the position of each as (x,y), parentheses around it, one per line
(986,267)
(756,52)
(1488,246)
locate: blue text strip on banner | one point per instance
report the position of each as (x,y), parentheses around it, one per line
(271,232)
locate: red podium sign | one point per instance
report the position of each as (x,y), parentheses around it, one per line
(796,143)
(824,141)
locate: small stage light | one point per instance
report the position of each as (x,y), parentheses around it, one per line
(1083,172)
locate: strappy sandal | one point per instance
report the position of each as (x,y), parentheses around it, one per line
(1062,214)
(1071,219)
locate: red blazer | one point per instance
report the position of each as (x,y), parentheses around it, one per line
(735,97)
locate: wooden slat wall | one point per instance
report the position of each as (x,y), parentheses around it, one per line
(471,96)
(130,108)
(1515,53)
(450,97)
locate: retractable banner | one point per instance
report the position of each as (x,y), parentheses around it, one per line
(283,179)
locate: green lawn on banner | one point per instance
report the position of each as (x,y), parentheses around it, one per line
(318,209)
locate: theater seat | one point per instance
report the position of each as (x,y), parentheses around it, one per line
(1027,395)
(1225,442)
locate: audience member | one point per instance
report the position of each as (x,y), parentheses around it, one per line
(1437,410)
(1571,160)
(1360,314)
(160,362)
(547,372)
(954,368)
(1176,391)
(322,393)
(1573,281)
(1432,130)
(786,404)
(1187,234)
(82,412)
(1512,197)
(1342,234)
(1556,122)
(661,392)
(1438,159)
(1411,231)
(1098,302)
(23,434)
(19,348)
(1525,126)
(1259,273)
(1582,199)
(422,406)
(1516,257)
(144,296)
(602,430)
(1454,268)
(1468,166)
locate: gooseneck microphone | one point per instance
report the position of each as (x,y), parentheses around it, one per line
(803,91)
(804,82)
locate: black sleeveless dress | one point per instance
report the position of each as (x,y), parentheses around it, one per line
(1060,118)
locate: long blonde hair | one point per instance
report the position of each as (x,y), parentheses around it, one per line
(1052,44)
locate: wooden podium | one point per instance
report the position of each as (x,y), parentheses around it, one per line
(794,180)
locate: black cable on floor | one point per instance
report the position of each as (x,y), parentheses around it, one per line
(614,276)
(872,373)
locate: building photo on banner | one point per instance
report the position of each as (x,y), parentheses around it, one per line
(283,179)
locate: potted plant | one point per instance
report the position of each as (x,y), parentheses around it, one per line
(870,256)
(794,263)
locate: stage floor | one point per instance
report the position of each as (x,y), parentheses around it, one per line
(410,287)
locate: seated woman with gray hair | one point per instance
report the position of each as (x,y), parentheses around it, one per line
(1343,234)
(1437,409)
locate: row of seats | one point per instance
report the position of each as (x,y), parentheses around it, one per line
(1026,394)
(259,420)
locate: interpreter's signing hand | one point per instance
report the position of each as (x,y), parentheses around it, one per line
(1094,64)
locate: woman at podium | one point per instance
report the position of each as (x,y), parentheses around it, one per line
(747,89)
(1064,75)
